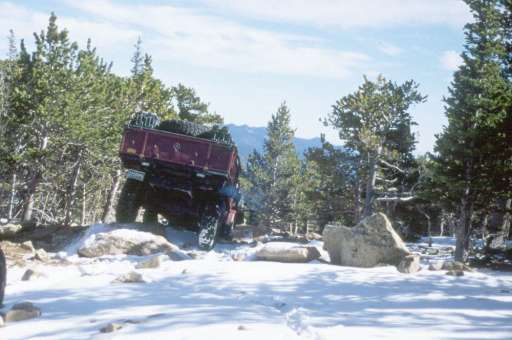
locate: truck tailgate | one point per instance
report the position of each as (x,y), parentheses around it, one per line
(177,149)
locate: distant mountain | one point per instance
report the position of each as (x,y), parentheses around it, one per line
(249,138)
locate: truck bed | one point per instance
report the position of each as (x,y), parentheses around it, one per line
(199,154)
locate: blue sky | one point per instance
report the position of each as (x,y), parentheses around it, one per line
(245,57)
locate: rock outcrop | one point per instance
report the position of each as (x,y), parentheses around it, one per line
(371,242)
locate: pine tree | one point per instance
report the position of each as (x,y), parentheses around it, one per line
(376,125)
(273,174)
(192,108)
(473,151)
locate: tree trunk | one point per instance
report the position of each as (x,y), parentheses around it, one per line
(111,196)
(83,212)
(13,193)
(370,184)
(29,198)
(463,230)
(72,188)
(357,200)
(28,205)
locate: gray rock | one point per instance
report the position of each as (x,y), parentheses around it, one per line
(42,255)
(455,272)
(27,245)
(369,243)
(117,244)
(409,264)
(22,311)
(279,253)
(131,277)
(111,327)
(237,257)
(31,274)
(9,230)
(153,262)
(436,265)
(455,265)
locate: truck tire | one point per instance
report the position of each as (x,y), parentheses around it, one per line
(218,134)
(209,226)
(3,277)
(129,202)
(150,217)
(182,127)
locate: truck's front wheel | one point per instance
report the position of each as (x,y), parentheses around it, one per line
(129,202)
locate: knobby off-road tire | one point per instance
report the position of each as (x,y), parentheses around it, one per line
(3,277)
(210,226)
(183,127)
(129,202)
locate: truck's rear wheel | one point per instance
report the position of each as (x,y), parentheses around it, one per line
(129,202)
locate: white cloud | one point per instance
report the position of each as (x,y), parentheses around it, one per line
(191,37)
(450,60)
(25,21)
(350,13)
(390,49)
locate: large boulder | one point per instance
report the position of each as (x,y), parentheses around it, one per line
(128,242)
(283,252)
(371,242)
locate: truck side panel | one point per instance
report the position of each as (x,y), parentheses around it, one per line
(178,149)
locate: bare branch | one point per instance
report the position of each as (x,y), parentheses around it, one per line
(396,199)
(389,165)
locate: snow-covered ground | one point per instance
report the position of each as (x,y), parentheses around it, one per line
(215,297)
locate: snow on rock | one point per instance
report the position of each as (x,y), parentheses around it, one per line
(31,274)
(287,252)
(130,277)
(371,242)
(22,311)
(125,241)
(409,264)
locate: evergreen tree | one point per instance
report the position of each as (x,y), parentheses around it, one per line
(192,108)
(474,150)
(376,125)
(273,174)
(329,184)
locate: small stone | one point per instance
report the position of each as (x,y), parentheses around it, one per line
(41,255)
(31,274)
(409,264)
(111,327)
(435,266)
(184,271)
(153,262)
(22,311)
(242,328)
(238,257)
(27,245)
(131,277)
(455,272)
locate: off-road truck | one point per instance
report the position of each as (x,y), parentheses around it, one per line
(185,172)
